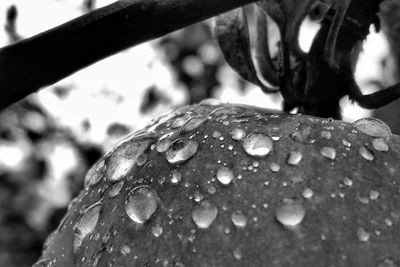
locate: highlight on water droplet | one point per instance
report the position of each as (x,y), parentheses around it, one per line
(328,152)
(258,145)
(372,127)
(204,214)
(181,151)
(193,123)
(294,158)
(239,219)
(116,189)
(86,224)
(224,175)
(290,214)
(120,162)
(141,204)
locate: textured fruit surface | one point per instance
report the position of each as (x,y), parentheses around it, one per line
(231,185)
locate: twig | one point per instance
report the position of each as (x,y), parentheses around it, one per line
(50,56)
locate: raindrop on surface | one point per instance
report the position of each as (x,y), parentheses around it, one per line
(120,162)
(225,175)
(380,144)
(176,176)
(116,189)
(239,219)
(290,214)
(258,145)
(237,254)
(216,134)
(193,123)
(274,167)
(362,234)
(328,152)
(157,230)
(95,173)
(301,134)
(45,263)
(346,143)
(141,204)
(372,127)
(307,193)
(204,214)
(373,194)
(163,145)
(326,135)
(366,153)
(238,134)
(125,250)
(294,158)
(86,224)
(347,181)
(181,151)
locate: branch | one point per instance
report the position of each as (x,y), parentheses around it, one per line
(50,56)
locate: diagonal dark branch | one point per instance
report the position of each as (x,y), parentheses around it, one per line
(50,56)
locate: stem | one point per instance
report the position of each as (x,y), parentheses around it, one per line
(50,56)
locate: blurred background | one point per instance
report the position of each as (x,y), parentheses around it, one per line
(50,139)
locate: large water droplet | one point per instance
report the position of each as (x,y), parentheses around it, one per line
(238,134)
(290,214)
(307,193)
(116,189)
(380,144)
(258,145)
(225,175)
(239,219)
(86,224)
(176,176)
(328,152)
(366,153)
(204,214)
(141,204)
(372,127)
(95,173)
(294,157)
(120,162)
(274,167)
(362,234)
(181,151)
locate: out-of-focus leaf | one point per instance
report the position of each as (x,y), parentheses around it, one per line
(262,54)
(232,33)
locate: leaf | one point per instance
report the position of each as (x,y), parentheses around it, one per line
(232,33)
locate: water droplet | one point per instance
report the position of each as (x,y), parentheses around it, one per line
(142,159)
(372,127)
(347,181)
(380,144)
(45,263)
(258,145)
(301,134)
(362,234)
(86,224)
(181,151)
(307,193)
(157,230)
(366,153)
(373,194)
(346,143)
(328,152)
(225,175)
(125,249)
(95,173)
(176,176)
(141,204)
(294,157)
(274,167)
(238,134)
(239,219)
(163,145)
(326,135)
(388,222)
(116,189)
(237,253)
(193,123)
(290,214)
(204,214)
(211,190)
(216,134)
(120,162)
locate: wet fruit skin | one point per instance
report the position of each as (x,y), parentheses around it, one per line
(351,218)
